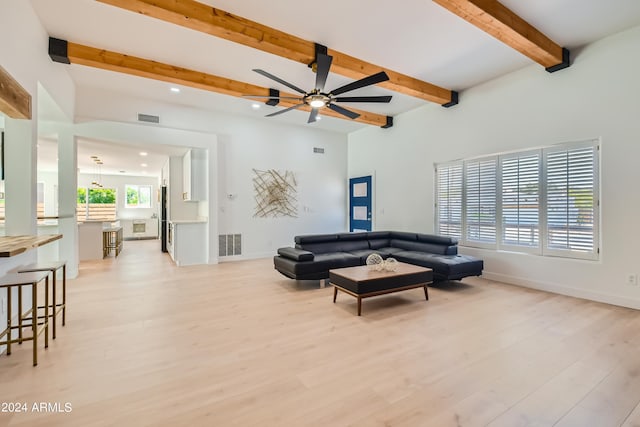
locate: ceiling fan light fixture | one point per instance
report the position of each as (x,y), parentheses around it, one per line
(316,99)
(317,103)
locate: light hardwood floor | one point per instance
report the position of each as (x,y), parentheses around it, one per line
(237,344)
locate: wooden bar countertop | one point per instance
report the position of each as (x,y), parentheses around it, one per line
(15,245)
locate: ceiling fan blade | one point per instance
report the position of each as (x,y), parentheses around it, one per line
(323,64)
(272,97)
(313,116)
(344,111)
(279,80)
(295,107)
(367,81)
(363,99)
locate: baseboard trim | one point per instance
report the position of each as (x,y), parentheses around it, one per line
(246,257)
(564,290)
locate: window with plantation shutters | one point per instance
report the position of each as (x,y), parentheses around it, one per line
(543,201)
(571,199)
(480,203)
(520,182)
(449,200)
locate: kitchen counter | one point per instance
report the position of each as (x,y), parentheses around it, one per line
(187,243)
(15,245)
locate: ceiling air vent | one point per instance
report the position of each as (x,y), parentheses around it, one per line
(318,150)
(148,118)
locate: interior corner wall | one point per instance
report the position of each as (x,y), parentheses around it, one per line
(596,97)
(24,55)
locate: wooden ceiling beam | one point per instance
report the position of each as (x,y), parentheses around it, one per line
(496,19)
(15,101)
(73,53)
(216,22)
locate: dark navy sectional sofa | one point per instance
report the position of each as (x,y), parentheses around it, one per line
(314,255)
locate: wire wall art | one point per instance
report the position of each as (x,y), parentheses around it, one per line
(275,194)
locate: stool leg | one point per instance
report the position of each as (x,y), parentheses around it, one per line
(9,320)
(19,314)
(34,321)
(46,312)
(53,304)
(64,294)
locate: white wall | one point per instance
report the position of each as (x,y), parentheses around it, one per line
(597,97)
(23,55)
(119,182)
(246,143)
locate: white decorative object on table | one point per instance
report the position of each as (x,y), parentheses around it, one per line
(375,261)
(391,264)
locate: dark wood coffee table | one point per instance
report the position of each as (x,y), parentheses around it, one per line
(364,282)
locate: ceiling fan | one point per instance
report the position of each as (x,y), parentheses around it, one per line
(318,98)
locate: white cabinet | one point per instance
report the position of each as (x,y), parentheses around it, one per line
(194,182)
(186,242)
(140,228)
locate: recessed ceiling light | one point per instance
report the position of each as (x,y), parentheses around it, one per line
(175,89)
(144,165)
(318,118)
(143,153)
(255,106)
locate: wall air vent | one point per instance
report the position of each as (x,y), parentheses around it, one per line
(318,150)
(148,118)
(229,244)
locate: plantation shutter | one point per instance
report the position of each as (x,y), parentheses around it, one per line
(481,201)
(449,199)
(521,200)
(571,198)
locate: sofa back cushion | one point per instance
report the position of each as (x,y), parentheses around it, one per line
(403,235)
(438,240)
(315,238)
(424,247)
(320,248)
(378,243)
(317,243)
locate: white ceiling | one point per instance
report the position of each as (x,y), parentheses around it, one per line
(118,159)
(414,37)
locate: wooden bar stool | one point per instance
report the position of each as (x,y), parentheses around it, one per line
(13,280)
(55,307)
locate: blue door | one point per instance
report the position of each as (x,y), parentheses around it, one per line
(360,204)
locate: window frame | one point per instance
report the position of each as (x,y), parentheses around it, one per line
(542,248)
(138,187)
(466,241)
(567,253)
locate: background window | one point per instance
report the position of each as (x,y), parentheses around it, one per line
(481,200)
(449,200)
(98,204)
(138,196)
(541,201)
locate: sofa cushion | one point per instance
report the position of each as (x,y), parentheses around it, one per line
(403,235)
(363,254)
(378,243)
(315,238)
(373,235)
(296,254)
(438,240)
(388,251)
(352,236)
(444,266)
(322,248)
(423,247)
